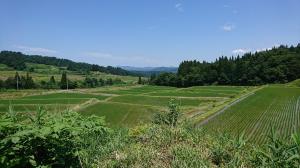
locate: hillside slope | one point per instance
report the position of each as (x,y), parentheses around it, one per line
(18,60)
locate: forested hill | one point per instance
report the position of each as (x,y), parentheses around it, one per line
(17,60)
(278,65)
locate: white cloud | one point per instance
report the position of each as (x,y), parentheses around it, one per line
(35,49)
(228,27)
(240,51)
(226,6)
(265,49)
(235,11)
(243,50)
(179,7)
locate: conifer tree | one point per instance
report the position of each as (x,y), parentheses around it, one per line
(63,81)
(140,80)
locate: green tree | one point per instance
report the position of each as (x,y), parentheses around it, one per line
(52,82)
(2,84)
(10,83)
(109,81)
(29,83)
(63,81)
(101,82)
(140,80)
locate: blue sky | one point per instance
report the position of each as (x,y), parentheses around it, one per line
(146,32)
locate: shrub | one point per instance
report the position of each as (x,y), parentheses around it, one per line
(170,118)
(46,140)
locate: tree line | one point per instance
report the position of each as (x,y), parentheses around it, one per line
(26,82)
(277,65)
(17,61)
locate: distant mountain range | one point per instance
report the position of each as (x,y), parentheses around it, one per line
(150,69)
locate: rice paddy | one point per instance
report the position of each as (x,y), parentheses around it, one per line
(126,105)
(273,106)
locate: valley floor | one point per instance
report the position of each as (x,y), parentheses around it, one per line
(232,109)
(125,105)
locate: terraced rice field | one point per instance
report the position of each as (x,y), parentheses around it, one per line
(51,101)
(128,105)
(125,103)
(118,114)
(277,107)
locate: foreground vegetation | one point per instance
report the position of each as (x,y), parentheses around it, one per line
(68,139)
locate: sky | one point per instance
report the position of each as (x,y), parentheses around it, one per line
(146,32)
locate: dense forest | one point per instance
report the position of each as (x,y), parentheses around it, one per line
(278,65)
(17,60)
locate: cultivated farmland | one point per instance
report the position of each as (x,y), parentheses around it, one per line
(273,106)
(126,105)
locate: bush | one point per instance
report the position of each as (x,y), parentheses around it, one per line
(170,118)
(46,140)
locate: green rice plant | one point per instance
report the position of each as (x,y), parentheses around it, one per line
(118,114)
(275,105)
(157,101)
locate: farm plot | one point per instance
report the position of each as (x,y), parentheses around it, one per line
(156,101)
(277,107)
(65,95)
(117,114)
(193,101)
(137,90)
(202,91)
(125,105)
(52,102)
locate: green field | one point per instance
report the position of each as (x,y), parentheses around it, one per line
(68,96)
(276,105)
(123,105)
(51,101)
(273,106)
(156,101)
(117,114)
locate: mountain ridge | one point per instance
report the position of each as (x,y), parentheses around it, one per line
(150,68)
